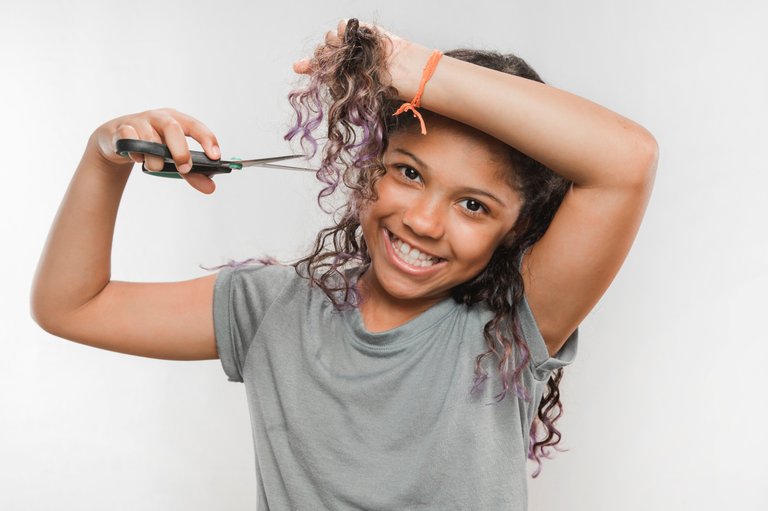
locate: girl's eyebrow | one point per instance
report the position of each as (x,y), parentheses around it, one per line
(478,191)
(475,191)
(413,157)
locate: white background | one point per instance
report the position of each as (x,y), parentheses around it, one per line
(665,406)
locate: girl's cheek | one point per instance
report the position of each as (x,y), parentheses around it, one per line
(476,237)
(384,185)
(363,212)
(387,196)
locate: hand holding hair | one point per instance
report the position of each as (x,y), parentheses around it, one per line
(395,50)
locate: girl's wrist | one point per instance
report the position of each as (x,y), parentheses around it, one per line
(406,66)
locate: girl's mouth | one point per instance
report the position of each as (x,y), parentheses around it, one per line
(411,255)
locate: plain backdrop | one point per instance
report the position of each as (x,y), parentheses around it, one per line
(665,405)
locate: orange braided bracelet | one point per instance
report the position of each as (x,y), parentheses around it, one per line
(429,69)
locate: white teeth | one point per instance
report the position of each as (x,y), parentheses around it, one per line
(411,255)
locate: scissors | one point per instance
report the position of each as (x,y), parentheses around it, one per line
(201,164)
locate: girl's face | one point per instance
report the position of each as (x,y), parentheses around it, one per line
(443,207)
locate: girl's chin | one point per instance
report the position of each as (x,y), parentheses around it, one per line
(396,286)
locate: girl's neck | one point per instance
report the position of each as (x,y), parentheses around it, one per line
(381,311)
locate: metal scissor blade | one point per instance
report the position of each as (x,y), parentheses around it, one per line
(283,167)
(267,162)
(258,161)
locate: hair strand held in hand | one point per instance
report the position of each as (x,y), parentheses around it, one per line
(346,86)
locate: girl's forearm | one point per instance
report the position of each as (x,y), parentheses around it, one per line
(75,263)
(582,141)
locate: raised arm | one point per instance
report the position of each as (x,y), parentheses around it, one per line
(72,294)
(610,159)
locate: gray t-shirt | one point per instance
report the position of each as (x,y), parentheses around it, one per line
(347,419)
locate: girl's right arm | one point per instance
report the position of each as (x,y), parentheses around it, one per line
(72,295)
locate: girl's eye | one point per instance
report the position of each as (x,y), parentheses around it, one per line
(474,207)
(408,173)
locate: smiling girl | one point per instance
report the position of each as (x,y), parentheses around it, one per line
(484,220)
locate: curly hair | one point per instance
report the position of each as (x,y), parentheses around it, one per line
(347,83)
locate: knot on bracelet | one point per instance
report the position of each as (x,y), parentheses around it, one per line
(412,107)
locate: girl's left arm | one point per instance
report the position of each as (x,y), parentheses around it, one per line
(610,159)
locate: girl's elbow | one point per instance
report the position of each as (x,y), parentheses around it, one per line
(645,158)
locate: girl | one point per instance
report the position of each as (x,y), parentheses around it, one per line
(485,217)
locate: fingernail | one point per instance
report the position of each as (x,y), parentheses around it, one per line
(215,151)
(184,168)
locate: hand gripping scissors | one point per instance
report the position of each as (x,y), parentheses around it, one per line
(201,164)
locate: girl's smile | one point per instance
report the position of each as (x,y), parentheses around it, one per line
(408,256)
(444,204)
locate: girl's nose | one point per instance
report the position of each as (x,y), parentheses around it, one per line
(425,218)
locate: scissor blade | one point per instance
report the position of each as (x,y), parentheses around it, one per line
(282,167)
(260,161)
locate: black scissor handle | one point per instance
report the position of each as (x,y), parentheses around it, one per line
(201,164)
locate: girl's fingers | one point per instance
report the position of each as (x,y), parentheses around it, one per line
(174,127)
(148,133)
(341,27)
(200,182)
(200,132)
(174,137)
(128,131)
(331,37)
(303,66)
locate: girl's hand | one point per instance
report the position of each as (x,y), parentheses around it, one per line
(166,126)
(402,57)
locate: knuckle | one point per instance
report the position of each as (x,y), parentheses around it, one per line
(152,113)
(168,123)
(125,128)
(158,115)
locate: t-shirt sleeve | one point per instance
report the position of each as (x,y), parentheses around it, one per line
(542,364)
(241,298)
